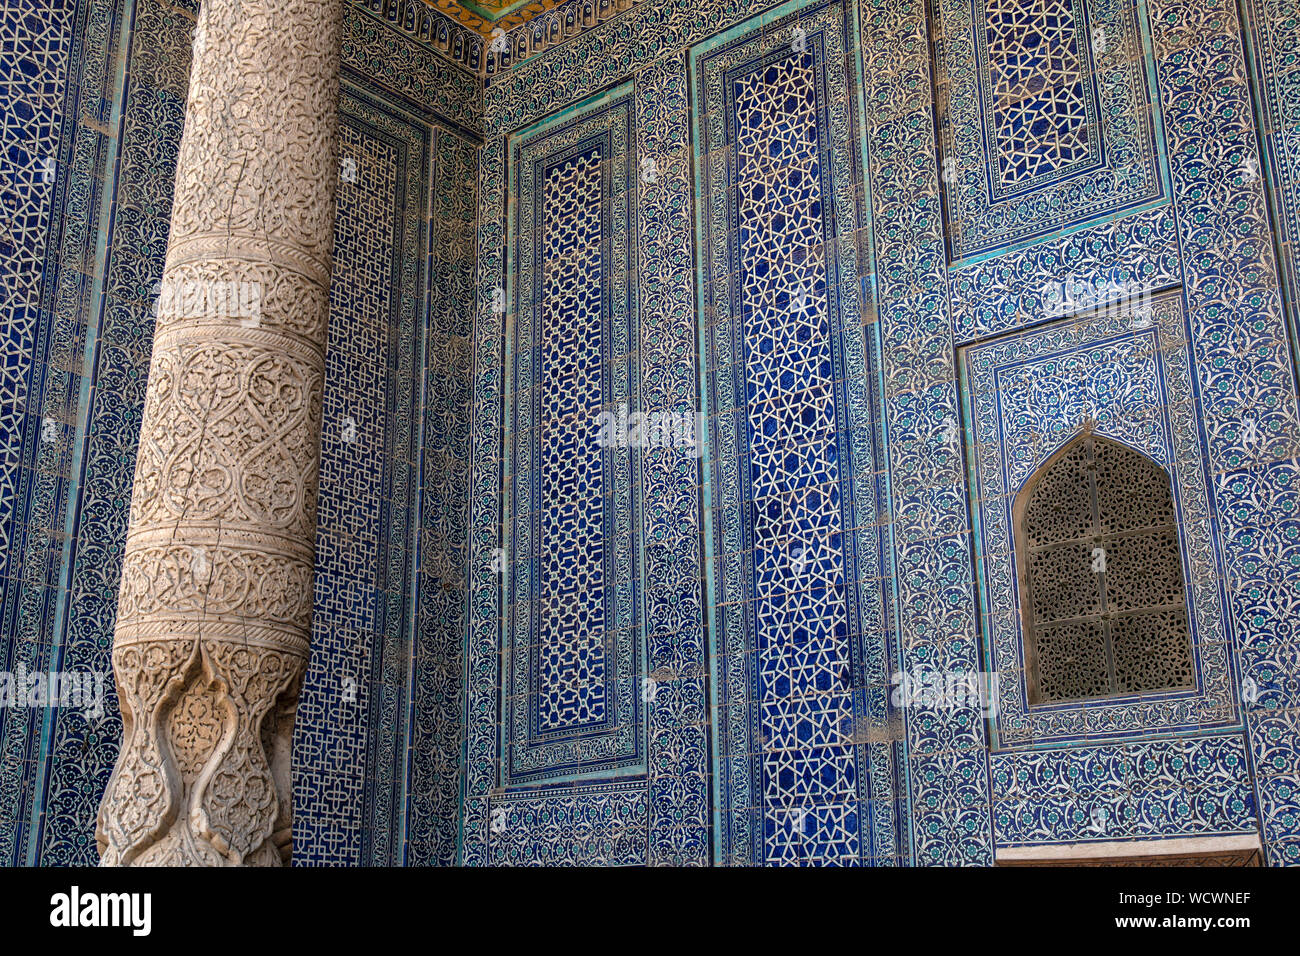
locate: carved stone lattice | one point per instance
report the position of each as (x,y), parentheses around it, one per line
(1102,587)
(215,609)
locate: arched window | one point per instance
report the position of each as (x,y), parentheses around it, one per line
(1101,576)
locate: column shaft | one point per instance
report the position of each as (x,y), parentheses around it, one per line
(214,616)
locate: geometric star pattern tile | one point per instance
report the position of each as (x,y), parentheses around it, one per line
(572,679)
(1038,88)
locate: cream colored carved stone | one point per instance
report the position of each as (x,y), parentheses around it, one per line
(215,611)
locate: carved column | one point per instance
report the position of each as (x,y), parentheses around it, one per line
(214,616)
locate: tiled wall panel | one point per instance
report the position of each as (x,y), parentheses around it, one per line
(378,697)
(39,376)
(572,696)
(436,737)
(347,730)
(793,527)
(1027,171)
(664,815)
(98,91)
(98,94)
(852,235)
(1273,656)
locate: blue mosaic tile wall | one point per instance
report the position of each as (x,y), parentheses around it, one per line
(793,532)
(97,92)
(347,731)
(572,699)
(436,721)
(893,271)
(95,97)
(894,293)
(389,499)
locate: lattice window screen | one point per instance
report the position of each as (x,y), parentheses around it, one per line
(1101,578)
